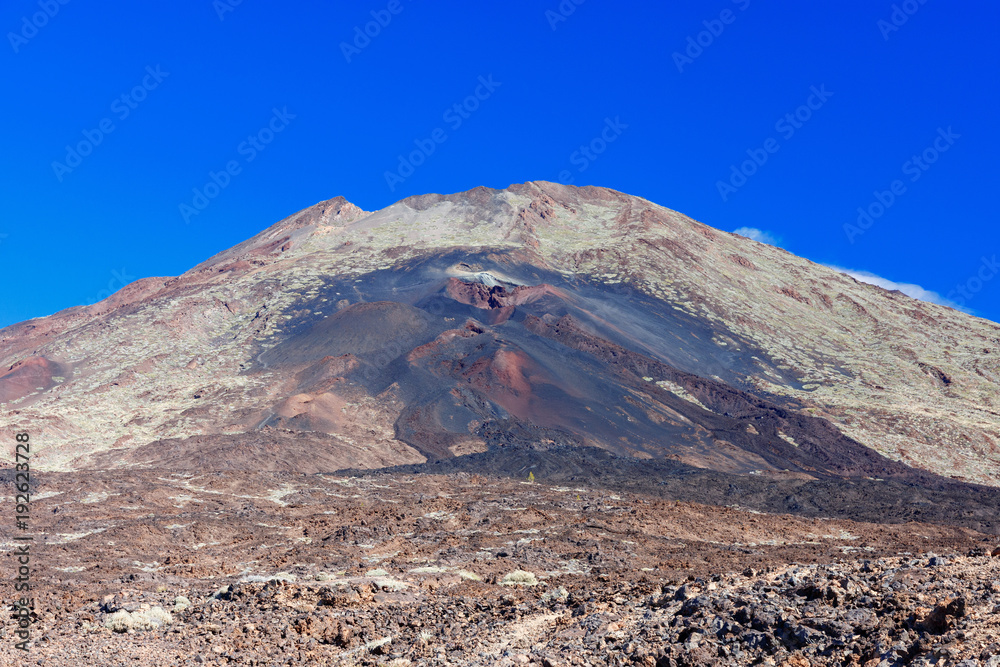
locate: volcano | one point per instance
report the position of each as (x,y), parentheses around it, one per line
(507,427)
(538,316)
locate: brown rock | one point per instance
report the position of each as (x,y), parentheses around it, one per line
(939,620)
(796,661)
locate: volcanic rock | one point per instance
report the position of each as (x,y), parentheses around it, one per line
(543,425)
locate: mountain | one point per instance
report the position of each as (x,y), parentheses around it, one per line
(533,318)
(530,426)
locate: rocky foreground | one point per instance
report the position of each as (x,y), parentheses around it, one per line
(278,569)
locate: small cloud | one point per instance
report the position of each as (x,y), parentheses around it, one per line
(909,289)
(758,235)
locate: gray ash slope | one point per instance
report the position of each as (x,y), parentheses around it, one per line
(941,501)
(476,355)
(449,345)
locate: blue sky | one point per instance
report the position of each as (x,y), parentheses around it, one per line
(783,117)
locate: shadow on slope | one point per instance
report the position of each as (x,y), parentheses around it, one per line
(950,503)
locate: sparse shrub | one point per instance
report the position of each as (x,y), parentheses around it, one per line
(559,593)
(391,585)
(378,645)
(377,573)
(120,621)
(519,578)
(323,576)
(155,617)
(150,619)
(472,576)
(181,603)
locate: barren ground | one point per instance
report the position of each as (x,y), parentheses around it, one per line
(327,569)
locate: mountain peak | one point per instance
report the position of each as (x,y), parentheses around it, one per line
(284,234)
(540,313)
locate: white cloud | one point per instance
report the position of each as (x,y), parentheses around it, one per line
(909,289)
(758,235)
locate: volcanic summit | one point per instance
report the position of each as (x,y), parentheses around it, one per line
(337,417)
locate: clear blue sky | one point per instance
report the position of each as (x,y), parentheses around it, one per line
(887,93)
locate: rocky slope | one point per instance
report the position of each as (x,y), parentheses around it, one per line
(445,325)
(286,569)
